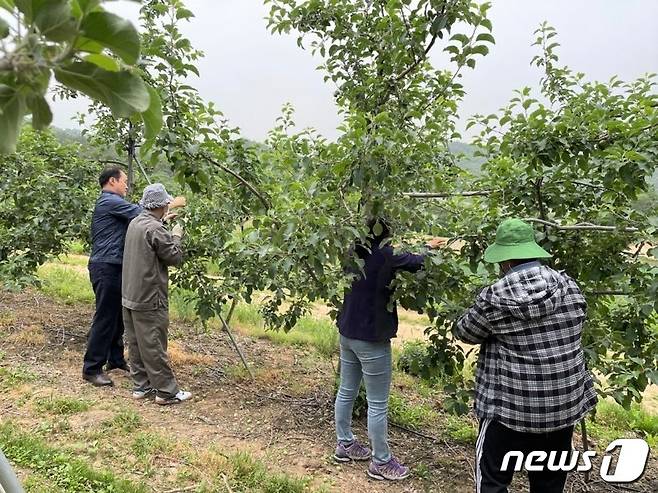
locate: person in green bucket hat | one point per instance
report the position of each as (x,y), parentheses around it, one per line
(515,240)
(531,383)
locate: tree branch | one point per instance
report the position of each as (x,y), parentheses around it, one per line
(432,195)
(236,176)
(580,226)
(609,293)
(418,61)
(110,161)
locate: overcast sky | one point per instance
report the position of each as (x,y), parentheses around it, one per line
(250,73)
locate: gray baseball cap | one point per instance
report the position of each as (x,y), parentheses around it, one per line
(155,196)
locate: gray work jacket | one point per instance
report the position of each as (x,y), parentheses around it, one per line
(148,251)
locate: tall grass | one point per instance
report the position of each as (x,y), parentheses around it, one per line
(67,284)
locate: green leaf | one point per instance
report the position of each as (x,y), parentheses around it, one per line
(4,28)
(182,13)
(12,108)
(113,32)
(152,118)
(438,24)
(88,46)
(480,49)
(42,116)
(486,37)
(7,5)
(123,92)
(486,23)
(462,38)
(85,6)
(53,18)
(471,62)
(103,61)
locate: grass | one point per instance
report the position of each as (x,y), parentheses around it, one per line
(251,475)
(613,421)
(147,444)
(65,284)
(78,248)
(62,405)
(408,414)
(57,470)
(12,377)
(125,420)
(461,429)
(317,333)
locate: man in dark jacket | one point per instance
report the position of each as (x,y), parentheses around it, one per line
(112,215)
(532,385)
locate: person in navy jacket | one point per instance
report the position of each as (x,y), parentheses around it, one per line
(366,327)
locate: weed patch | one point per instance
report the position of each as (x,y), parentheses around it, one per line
(63,472)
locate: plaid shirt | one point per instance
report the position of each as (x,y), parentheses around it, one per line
(531,373)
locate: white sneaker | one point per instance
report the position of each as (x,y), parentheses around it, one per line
(177,399)
(142,394)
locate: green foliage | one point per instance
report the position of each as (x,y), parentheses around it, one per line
(45,194)
(125,420)
(583,160)
(282,217)
(65,472)
(145,445)
(12,377)
(409,414)
(613,421)
(61,405)
(74,41)
(65,283)
(461,429)
(412,359)
(251,475)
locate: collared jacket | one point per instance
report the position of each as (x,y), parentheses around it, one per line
(109,223)
(365,314)
(149,250)
(531,374)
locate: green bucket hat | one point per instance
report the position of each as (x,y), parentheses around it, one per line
(515,240)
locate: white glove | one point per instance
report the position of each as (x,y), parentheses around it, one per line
(177,230)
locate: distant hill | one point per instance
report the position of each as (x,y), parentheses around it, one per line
(66,135)
(466,157)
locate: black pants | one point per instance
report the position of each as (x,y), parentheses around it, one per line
(105,341)
(495,440)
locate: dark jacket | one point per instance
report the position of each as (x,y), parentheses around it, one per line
(109,223)
(365,315)
(150,249)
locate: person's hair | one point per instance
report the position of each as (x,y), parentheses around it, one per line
(109,172)
(373,240)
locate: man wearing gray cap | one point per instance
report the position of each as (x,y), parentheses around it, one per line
(148,252)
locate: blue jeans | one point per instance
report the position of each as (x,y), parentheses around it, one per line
(372,362)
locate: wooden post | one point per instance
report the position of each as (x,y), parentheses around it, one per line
(235,345)
(131,155)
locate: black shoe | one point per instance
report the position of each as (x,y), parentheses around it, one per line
(98,380)
(124,367)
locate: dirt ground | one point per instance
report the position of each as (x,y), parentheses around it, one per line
(283,417)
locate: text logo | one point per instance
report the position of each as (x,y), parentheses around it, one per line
(632,461)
